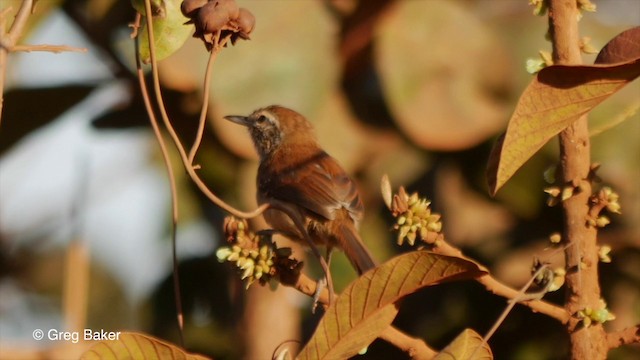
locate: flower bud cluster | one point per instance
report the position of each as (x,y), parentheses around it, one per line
(253,255)
(414,218)
(611,199)
(550,279)
(601,315)
(606,198)
(218,18)
(557,194)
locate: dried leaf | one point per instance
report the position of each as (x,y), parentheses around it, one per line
(132,345)
(367,306)
(557,97)
(468,345)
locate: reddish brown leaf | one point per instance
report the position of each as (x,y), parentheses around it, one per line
(367,306)
(130,345)
(625,46)
(557,97)
(468,345)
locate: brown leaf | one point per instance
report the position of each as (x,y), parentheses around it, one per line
(131,345)
(367,305)
(557,97)
(441,96)
(624,46)
(467,345)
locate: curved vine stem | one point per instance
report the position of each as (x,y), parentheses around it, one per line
(205,95)
(171,175)
(191,170)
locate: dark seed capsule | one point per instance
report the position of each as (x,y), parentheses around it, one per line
(246,21)
(188,7)
(230,6)
(212,18)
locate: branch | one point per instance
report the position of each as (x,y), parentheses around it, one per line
(498,288)
(626,336)
(205,95)
(581,258)
(191,170)
(172,179)
(43,47)
(19,22)
(9,39)
(299,223)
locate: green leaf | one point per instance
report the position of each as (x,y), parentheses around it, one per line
(367,305)
(468,345)
(130,345)
(556,98)
(169,31)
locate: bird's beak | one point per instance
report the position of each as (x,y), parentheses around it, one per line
(242,120)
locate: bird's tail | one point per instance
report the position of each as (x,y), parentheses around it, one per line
(357,253)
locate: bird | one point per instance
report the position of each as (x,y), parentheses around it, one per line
(294,172)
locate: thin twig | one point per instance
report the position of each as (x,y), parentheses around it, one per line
(19,22)
(498,288)
(522,296)
(10,39)
(167,163)
(205,95)
(630,335)
(44,47)
(415,348)
(176,140)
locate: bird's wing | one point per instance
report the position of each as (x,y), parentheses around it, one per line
(318,184)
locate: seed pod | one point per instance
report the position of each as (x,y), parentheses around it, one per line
(188,7)
(246,21)
(230,7)
(211,18)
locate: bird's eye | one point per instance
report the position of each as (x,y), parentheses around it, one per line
(261,119)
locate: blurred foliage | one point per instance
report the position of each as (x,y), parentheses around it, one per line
(445,75)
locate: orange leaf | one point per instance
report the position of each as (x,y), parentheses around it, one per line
(624,46)
(130,345)
(556,98)
(367,305)
(468,345)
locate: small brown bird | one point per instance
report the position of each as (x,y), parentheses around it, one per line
(295,172)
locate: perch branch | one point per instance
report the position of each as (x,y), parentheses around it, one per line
(630,335)
(498,288)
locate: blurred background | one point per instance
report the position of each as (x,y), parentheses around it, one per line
(416,89)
